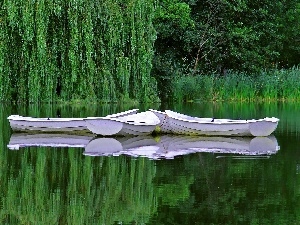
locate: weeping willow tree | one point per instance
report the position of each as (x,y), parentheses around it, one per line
(98,50)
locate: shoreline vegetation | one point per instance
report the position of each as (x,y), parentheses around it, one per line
(272,85)
(147,51)
(266,86)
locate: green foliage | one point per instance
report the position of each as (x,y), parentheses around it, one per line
(290,27)
(172,17)
(243,36)
(69,50)
(105,50)
(273,85)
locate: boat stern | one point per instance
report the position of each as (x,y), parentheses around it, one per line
(263,127)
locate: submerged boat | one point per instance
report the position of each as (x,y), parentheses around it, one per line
(183,124)
(143,123)
(22,123)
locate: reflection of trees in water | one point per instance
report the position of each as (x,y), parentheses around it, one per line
(172,183)
(231,191)
(59,186)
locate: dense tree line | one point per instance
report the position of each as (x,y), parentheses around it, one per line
(112,50)
(214,36)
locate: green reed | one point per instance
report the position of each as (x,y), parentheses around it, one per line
(290,88)
(266,86)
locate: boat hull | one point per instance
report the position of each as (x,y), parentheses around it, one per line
(48,125)
(191,128)
(137,124)
(262,127)
(182,124)
(104,126)
(23,124)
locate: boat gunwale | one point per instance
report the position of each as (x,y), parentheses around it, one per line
(191,119)
(43,119)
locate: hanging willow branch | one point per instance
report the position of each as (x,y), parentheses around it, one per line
(100,50)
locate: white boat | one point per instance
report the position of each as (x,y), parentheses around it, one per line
(143,123)
(183,124)
(163,127)
(22,140)
(21,123)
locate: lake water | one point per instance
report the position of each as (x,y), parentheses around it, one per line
(87,185)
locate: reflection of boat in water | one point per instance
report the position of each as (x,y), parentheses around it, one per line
(21,140)
(165,146)
(122,146)
(168,146)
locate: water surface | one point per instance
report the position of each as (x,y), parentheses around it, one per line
(63,184)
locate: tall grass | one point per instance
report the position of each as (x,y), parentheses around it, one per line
(273,85)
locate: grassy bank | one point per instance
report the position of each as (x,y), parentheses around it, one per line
(283,85)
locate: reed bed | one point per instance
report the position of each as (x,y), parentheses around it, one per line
(283,85)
